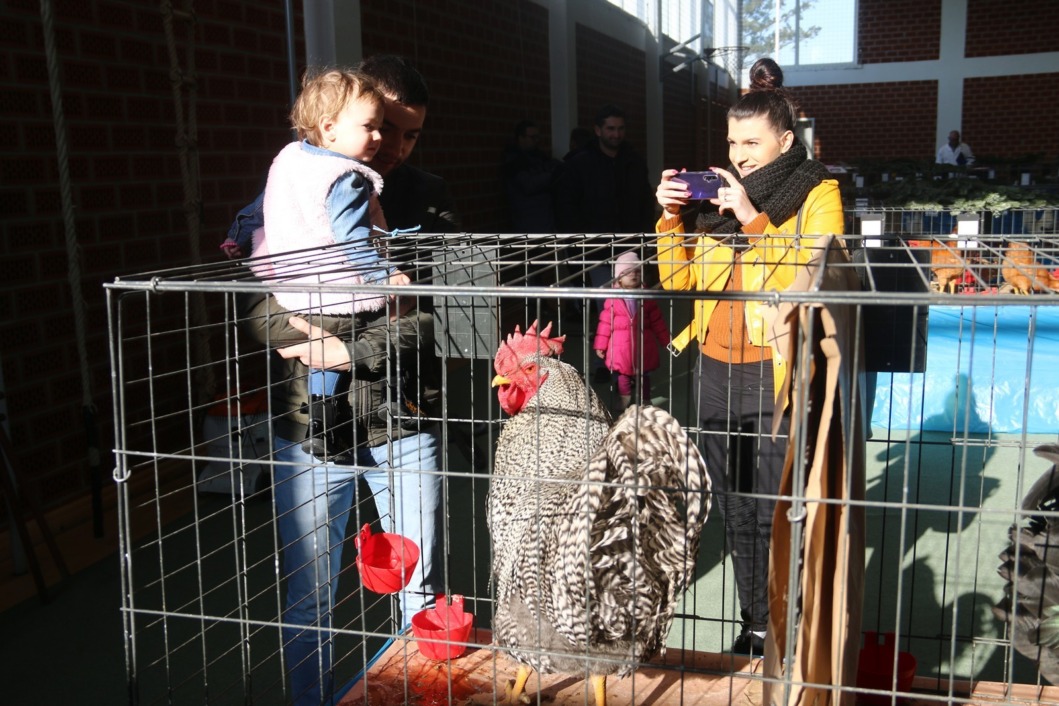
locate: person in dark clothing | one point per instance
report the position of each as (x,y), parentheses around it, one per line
(416,197)
(604,190)
(528,173)
(580,139)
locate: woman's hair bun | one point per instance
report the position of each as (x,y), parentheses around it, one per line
(766,75)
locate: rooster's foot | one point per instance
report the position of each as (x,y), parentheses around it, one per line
(515,689)
(511,699)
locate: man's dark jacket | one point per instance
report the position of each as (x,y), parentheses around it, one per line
(600,194)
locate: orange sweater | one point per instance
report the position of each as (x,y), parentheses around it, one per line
(726,337)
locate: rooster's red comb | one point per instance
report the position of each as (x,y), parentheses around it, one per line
(533,341)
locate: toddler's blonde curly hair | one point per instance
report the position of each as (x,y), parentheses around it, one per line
(325,92)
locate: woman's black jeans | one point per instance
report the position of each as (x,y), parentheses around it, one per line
(744,463)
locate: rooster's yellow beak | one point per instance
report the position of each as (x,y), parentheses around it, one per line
(500,380)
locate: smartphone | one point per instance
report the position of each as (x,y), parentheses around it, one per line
(703,185)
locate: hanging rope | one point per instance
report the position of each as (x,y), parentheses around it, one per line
(187,143)
(73,265)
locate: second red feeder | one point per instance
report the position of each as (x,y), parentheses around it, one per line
(385,561)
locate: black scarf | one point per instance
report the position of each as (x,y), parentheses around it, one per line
(778,189)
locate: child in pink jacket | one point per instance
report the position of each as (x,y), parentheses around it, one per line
(630,332)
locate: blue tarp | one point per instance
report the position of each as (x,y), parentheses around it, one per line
(988,369)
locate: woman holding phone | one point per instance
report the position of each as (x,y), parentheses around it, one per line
(747,239)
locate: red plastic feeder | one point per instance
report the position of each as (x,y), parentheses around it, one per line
(439,630)
(875,668)
(386,561)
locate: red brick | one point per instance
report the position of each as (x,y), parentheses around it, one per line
(97,45)
(1013,27)
(993,129)
(883,33)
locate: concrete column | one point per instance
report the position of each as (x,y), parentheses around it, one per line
(332,32)
(562,54)
(653,81)
(950,84)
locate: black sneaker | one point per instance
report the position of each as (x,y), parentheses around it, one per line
(325,436)
(748,643)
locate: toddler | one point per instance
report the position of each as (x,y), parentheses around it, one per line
(630,332)
(320,192)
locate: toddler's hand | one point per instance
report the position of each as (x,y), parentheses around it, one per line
(400,279)
(601,354)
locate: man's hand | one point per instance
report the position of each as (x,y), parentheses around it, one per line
(323,350)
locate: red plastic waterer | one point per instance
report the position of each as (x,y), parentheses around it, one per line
(439,631)
(385,561)
(875,668)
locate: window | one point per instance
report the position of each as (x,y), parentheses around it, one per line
(681,19)
(709,27)
(809,32)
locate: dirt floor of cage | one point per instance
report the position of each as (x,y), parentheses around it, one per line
(401,675)
(989,693)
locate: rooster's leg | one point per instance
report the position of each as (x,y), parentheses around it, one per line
(599,685)
(517,691)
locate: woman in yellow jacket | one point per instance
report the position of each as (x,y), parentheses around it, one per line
(751,241)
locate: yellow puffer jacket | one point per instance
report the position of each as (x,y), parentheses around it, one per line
(770,264)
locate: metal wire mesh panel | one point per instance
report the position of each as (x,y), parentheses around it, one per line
(948,388)
(469,323)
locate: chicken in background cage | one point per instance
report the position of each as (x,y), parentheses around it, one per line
(585,539)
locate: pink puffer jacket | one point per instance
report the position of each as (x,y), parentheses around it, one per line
(618,333)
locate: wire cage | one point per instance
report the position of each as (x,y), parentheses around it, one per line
(953,323)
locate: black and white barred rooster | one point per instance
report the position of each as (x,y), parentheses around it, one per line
(1031,567)
(595,528)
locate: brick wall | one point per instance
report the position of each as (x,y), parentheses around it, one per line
(714,126)
(898,30)
(487,66)
(127,190)
(1012,27)
(696,127)
(679,120)
(873,120)
(993,127)
(609,71)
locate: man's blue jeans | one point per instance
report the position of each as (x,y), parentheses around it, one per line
(314,502)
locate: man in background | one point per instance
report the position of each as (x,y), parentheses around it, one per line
(604,190)
(955,152)
(527,172)
(580,139)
